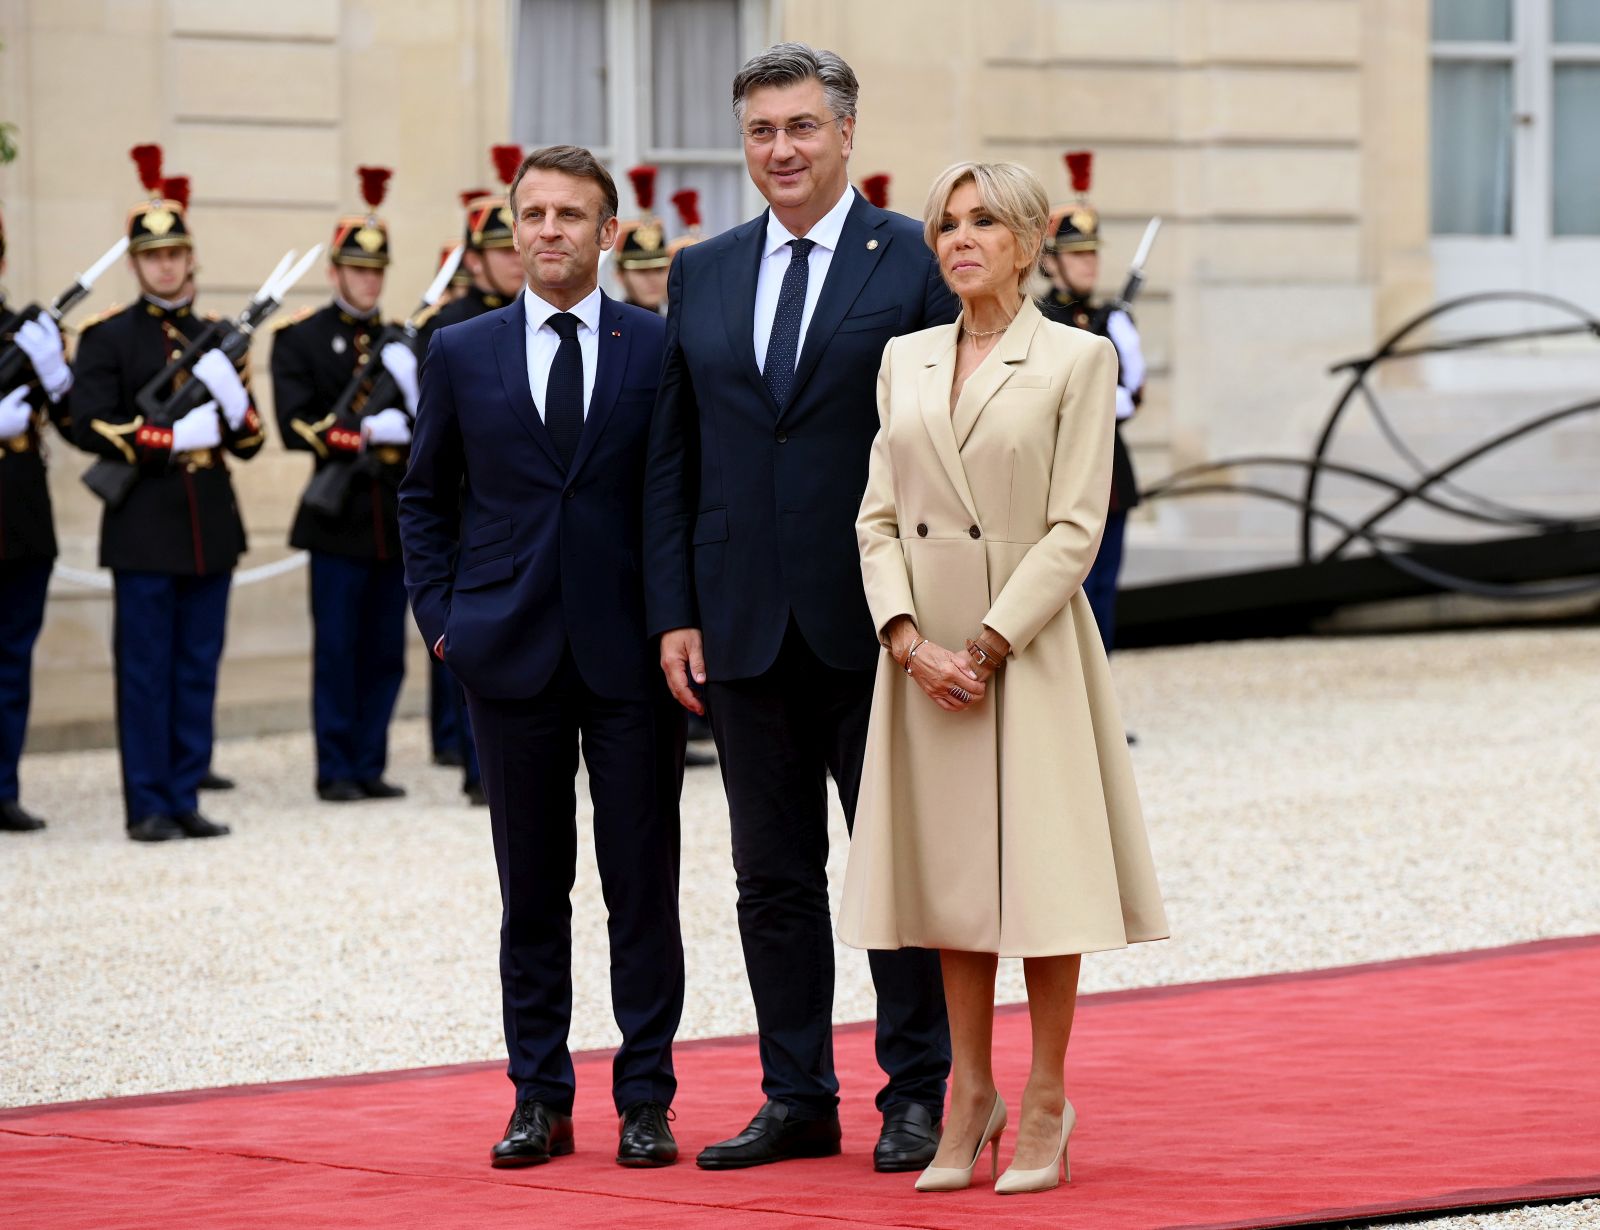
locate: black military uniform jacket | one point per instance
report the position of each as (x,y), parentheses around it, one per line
(474,303)
(314,357)
(27,525)
(181,517)
(1080,314)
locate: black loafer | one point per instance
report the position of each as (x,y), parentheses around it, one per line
(909,1139)
(340,791)
(14,820)
(475,794)
(194,824)
(215,781)
(535,1134)
(377,788)
(643,1137)
(155,828)
(773,1137)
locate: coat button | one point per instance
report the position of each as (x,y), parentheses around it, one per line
(783,437)
(974,532)
(922,531)
(570,493)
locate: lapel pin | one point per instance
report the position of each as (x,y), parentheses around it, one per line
(616,333)
(871,244)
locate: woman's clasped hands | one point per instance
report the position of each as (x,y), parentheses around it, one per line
(949,677)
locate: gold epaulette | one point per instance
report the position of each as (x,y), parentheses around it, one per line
(293,318)
(85,325)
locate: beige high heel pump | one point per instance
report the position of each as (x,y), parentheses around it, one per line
(954,1178)
(1014,1181)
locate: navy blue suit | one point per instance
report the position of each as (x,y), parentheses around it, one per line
(529,571)
(750,512)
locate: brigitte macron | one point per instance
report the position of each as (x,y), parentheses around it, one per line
(998,814)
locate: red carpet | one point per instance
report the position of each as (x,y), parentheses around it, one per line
(1464,1080)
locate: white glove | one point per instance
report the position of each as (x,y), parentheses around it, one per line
(1125,406)
(387,427)
(15,413)
(197,429)
(401,361)
(216,371)
(40,340)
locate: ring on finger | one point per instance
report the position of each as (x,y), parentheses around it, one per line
(961,694)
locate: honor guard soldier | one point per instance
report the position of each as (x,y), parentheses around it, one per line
(642,256)
(1071,260)
(34,383)
(687,202)
(495,270)
(358,601)
(173,539)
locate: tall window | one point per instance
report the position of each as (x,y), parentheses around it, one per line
(1576,104)
(642,81)
(1471,114)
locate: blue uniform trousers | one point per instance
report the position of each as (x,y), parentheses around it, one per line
(358,613)
(1100,586)
(23,584)
(168,643)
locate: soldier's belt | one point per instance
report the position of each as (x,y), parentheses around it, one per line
(390,454)
(196,459)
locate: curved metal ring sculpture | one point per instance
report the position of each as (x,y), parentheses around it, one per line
(1434,487)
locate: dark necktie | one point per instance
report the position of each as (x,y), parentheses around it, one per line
(563,393)
(783,343)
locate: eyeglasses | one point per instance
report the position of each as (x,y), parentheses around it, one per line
(799,132)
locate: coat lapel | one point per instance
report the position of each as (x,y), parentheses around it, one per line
(992,374)
(740,265)
(933,397)
(511,354)
(852,264)
(611,361)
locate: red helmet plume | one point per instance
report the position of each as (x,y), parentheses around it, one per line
(148,159)
(507,158)
(374,184)
(176,188)
(687,202)
(1080,165)
(644,186)
(472,194)
(876,189)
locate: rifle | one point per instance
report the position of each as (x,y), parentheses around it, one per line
(112,480)
(1135,282)
(12,357)
(374,386)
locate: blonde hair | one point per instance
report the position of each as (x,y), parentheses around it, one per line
(1013,196)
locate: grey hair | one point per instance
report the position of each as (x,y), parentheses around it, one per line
(788,63)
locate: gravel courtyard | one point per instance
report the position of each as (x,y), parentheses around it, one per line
(1311,803)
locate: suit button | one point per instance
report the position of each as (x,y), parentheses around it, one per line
(922,531)
(974,532)
(570,493)
(783,437)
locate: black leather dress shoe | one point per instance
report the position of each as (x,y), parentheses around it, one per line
(14,820)
(215,781)
(340,791)
(155,828)
(535,1134)
(773,1137)
(475,794)
(377,788)
(909,1139)
(449,758)
(643,1137)
(194,824)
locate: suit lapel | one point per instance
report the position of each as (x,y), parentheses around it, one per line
(611,360)
(992,374)
(852,264)
(933,397)
(511,354)
(740,265)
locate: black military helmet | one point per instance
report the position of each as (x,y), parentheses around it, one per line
(643,240)
(1075,227)
(489,220)
(363,239)
(159,221)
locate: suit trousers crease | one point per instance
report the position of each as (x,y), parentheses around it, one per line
(168,639)
(23,586)
(779,736)
(633,749)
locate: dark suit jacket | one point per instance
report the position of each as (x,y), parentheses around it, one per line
(509,556)
(750,513)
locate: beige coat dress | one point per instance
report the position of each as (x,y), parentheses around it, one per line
(1012,827)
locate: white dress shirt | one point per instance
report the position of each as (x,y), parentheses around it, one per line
(775,263)
(543,342)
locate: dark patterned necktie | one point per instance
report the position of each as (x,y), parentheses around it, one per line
(563,393)
(783,343)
